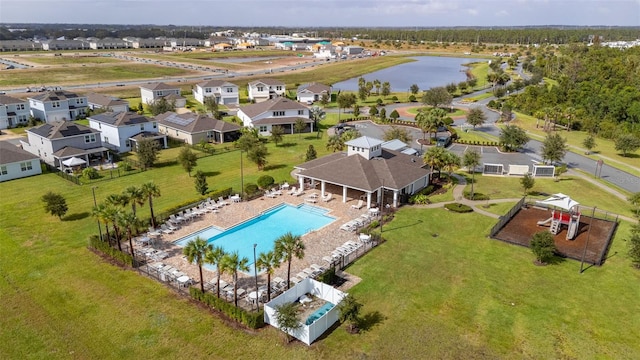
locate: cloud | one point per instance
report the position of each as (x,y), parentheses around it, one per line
(472,12)
(502,13)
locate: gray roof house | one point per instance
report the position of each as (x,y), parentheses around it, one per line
(58,141)
(120,131)
(311,92)
(265,89)
(16,163)
(152,92)
(224,92)
(278,111)
(193,128)
(366,170)
(13,111)
(100,101)
(58,105)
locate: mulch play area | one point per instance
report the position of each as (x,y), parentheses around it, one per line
(523,225)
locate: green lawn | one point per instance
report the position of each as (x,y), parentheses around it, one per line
(472,135)
(70,60)
(448,296)
(87,74)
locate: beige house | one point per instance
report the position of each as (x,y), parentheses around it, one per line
(193,128)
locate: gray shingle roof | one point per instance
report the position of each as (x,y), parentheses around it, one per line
(215,83)
(61,129)
(6,100)
(159,86)
(281,120)
(394,169)
(277,104)
(194,123)
(55,96)
(104,100)
(10,153)
(270,82)
(314,88)
(120,118)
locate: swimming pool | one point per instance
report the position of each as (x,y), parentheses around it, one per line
(264,229)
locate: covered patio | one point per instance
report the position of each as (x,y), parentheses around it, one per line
(70,157)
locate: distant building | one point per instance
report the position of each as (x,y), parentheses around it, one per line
(100,101)
(278,111)
(58,105)
(224,92)
(265,89)
(311,92)
(193,128)
(153,92)
(16,163)
(120,131)
(13,111)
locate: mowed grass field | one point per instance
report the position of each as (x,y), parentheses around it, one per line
(454,295)
(70,60)
(87,74)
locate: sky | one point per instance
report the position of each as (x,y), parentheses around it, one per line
(325,13)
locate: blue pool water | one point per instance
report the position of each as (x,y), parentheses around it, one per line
(318,313)
(264,229)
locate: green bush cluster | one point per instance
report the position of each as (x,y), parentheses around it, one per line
(103,246)
(251,189)
(453,132)
(90,173)
(327,277)
(481,143)
(476,196)
(250,319)
(459,208)
(419,199)
(265,181)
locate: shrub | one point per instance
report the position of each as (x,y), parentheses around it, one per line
(90,173)
(103,247)
(328,277)
(419,199)
(252,320)
(459,208)
(125,165)
(265,181)
(476,196)
(251,188)
(412,98)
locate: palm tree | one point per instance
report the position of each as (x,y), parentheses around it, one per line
(436,118)
(214,257)
(99,213)
(471,159)
(113,212)
(136,197)
(377,84)
(434,157)
(287,246)
(316,113)
(151,190)
(335,143)
(422,120)
(451,161)
(128,221)
(233,263)
(269,262)
(195,251)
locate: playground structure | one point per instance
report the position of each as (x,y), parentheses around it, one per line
(561,202)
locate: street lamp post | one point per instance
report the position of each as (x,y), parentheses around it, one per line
(255,275)
(93,190)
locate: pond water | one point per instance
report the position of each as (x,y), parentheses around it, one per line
(426,71)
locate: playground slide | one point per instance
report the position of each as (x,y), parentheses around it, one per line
(573,228)
(545,222)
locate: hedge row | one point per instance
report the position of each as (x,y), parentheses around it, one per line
(104,247)
(482,143)
(459,208)
(250,319)
(476,196)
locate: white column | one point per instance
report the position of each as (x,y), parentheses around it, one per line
(322,183)
(301,182)
(368,200)
(395,198)
(380,199)
(344,194)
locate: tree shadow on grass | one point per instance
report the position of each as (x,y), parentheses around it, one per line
(417,222)
(556,260)
(210,173)
(369,320)
(287,144)
(630,156)
(77,216)
(274,167)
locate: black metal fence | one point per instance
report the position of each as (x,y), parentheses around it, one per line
(504,219)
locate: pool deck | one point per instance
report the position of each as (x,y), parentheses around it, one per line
(318,243)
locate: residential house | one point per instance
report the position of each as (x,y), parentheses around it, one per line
(213,40)
(193,128)
(153,92)
(13,111)
(16,163)
(367,169)
(278,111)
(223,46)
(58,141)
(265,89)
(225,93)
(58,105)
(352,50)
(120,131)
(109,103)
(138,43)
(311,92)
(19,45)
(55,45)
(108,43)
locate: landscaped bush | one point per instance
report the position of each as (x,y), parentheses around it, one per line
(103,247)
(419,199)
(328,277)
(265,181)
(251,188)
(90,173)
(252,320)
(412,98)
(476,196)
(459,208)
(125,165)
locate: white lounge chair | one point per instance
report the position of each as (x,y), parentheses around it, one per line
(276,192)
(221,201)
(165,229)
(292,191)
(311,200)
(299,192)
(359,205)
(327,197)
(269,194)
